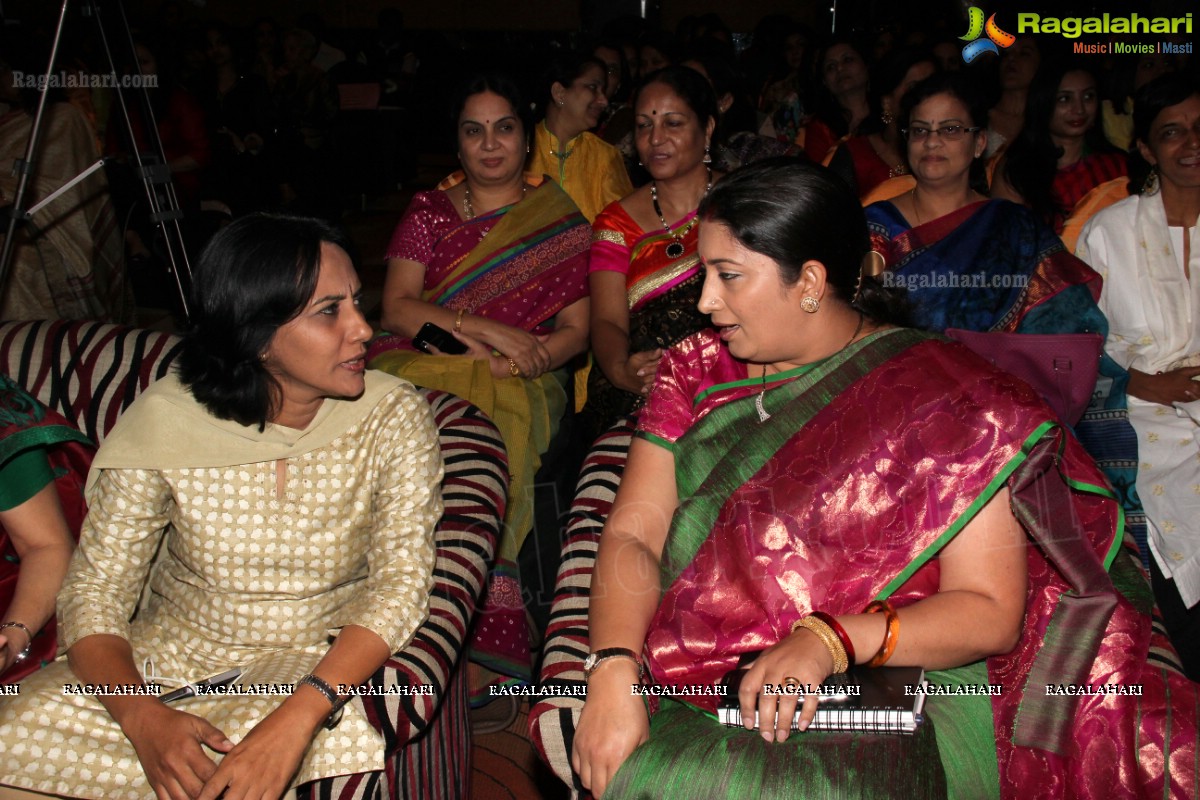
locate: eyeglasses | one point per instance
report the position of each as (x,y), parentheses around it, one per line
(950,133)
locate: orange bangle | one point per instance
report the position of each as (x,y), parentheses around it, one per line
(890,637)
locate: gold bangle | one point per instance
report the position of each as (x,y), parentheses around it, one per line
(829,638)
(458,320)
(513,369)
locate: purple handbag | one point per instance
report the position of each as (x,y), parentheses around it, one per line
(1061,367)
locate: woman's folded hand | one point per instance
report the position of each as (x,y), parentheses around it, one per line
(639,371)
(529,353)
(613,723)
(170,746)
(263,763)
(1173,386)
(802,660)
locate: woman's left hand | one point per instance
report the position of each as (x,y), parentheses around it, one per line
(802,658)
(263,763)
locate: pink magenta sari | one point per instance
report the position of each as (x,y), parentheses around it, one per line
(872,461)
(520,265)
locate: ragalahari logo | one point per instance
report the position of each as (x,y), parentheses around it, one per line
(976,28)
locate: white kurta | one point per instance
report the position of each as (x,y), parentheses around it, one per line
(1153,315)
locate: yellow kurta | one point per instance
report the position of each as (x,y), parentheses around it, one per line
(593,174)
(249,578)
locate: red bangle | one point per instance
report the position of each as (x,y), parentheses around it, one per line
(890,637)
(839,630)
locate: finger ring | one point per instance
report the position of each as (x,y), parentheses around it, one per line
(790,681)
(513,369)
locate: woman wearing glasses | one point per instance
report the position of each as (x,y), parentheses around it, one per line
(967,261)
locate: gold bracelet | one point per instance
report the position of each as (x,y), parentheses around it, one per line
(458,320)
(513,369)
(829,638)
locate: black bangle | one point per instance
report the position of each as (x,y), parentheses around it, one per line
(336,702)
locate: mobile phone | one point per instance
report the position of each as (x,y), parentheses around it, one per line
(440,338)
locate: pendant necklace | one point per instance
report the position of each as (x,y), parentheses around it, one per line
(763,414)
(469,210)
(675,249)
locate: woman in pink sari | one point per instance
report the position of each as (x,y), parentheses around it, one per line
(807,464)
(498,260)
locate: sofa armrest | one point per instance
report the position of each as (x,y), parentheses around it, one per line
(474,492)
(89,372)
(552,719)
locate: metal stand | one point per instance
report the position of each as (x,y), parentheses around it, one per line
(151,167)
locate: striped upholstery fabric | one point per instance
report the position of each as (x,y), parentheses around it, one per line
(552,719)
(83,370)
(67,364)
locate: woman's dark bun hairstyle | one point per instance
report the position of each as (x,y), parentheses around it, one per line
(793,211)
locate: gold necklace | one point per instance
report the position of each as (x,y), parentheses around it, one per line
(916,211)
(469,210)
(763,414)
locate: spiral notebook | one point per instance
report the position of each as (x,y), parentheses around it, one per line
(883,700)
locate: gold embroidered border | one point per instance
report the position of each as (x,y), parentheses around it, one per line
(659,279)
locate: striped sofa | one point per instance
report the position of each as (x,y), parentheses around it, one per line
(90,372)
(552,719)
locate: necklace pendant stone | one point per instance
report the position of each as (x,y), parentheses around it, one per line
(763,414)
(675,249)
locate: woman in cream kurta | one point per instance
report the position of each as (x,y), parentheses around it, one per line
(249,578)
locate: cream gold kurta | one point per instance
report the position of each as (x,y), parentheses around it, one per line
(250,578)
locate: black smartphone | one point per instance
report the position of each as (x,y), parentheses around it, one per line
(440,338)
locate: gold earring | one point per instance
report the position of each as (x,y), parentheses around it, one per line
(810,304)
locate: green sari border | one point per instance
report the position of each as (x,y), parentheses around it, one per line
(969,513)
(1104,491)
(500,257)
(655,439)
(724,450)
(794,372)
(41,436)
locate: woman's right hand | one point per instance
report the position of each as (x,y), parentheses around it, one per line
(613,724)
(170,746)
(637,374)
(1165,388)
(521,346)
(497,365)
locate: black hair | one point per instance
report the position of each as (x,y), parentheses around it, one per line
(725,79)
(690,86)
(793,211)
(565,67)
(658,40)
(1149,101)
(895,64)
(625,86)
(1032,158)
(959,86)
(825,105)
(496,83)
(254,275)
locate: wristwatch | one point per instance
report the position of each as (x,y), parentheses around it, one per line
(600,656)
